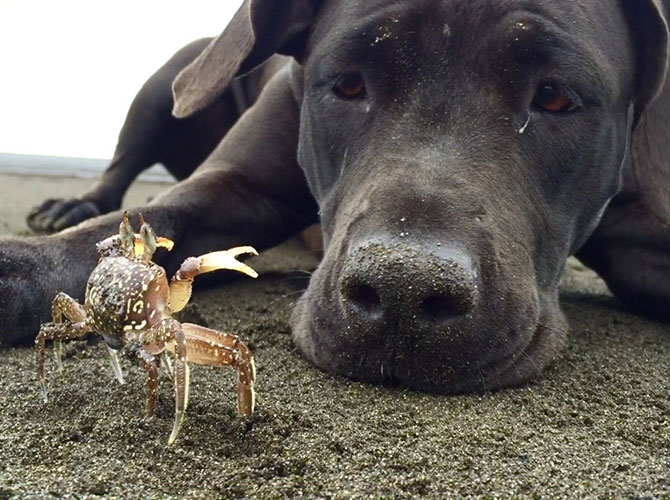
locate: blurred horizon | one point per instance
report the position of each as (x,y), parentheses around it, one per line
(69,166)
(72,68)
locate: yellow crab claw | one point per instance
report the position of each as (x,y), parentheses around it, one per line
(226,259)
(181,284)
(160,242)
(165,243)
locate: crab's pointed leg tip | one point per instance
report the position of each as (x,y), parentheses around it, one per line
(119,375)
(114,363)
(175,430)
(252,405)
(58,355)
(45,393)
(166,365)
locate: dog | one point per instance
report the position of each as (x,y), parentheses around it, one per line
(455,153)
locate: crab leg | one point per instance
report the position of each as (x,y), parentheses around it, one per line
(56,332)
(168,333)
(166,365)
(58,356)
(182,282)
(65,306)
(209,347)
(150,364)
(114,363)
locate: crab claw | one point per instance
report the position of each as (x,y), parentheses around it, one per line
(165,243)
(181,284)
(161,242)
(226,259)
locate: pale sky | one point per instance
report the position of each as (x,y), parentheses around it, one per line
(70,68)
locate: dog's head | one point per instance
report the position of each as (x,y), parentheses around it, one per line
(459,151)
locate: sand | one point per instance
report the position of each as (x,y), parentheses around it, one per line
(597,426)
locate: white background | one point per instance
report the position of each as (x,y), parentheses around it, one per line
(70,68)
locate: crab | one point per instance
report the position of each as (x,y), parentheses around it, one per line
(130,302)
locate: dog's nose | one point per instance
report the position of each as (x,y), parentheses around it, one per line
(383,283)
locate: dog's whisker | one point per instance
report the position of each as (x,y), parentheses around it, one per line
(293,278)
(536,368)
(573,306)
(561,333)
(286,296)
(302,271)
(481,376)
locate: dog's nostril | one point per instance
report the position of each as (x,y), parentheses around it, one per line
(366,298)
(442,308)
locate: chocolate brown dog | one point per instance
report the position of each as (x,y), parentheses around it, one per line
(455,152)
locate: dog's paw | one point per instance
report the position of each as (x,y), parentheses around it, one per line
(32,272)
(58,214)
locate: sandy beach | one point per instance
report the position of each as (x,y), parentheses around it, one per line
(597,425)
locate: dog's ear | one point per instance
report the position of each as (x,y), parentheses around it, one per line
(650,37)
(651,137)
(259,29)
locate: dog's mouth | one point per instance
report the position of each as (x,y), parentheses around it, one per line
(503,341)
(428,370)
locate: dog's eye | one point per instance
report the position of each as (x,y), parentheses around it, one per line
(555,99)
(350,86)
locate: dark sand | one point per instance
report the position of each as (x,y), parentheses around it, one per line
(597,426)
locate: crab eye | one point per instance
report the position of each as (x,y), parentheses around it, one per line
(350,86)
(148,237)
(555,98)
(126,232)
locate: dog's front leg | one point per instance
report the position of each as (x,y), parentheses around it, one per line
(149,135)
(250,191)
(631,252)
